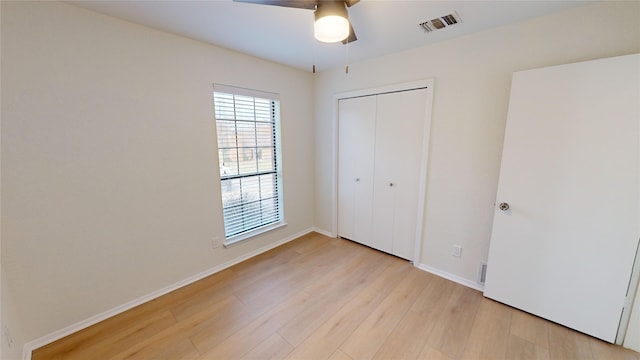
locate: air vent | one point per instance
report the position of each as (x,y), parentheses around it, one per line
(482,273)
(440,22)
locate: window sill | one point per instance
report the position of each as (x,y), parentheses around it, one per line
(234,240)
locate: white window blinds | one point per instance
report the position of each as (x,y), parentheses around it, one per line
(248,148)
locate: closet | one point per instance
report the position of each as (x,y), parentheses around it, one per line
(380,169)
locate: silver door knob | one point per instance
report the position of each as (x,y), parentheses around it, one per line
(391,184)
(357,179)
(503,206)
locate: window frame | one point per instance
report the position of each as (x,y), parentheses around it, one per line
(275,116)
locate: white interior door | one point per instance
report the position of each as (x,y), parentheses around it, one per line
(564,249)
(356,135)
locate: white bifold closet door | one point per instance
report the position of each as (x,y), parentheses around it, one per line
(379,164)
(356,139)
(570,175)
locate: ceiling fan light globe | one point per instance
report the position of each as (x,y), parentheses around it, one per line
(331,28)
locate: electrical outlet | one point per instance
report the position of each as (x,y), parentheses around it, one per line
(457,251)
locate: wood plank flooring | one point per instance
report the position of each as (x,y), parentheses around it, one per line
(323,298)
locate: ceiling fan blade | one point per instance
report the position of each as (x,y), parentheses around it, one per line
(350,3)
(306,4)
(299,4)
(352,35)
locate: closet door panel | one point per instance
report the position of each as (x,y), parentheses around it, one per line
(356,135)
(399,129)
(384,184)
(383,205)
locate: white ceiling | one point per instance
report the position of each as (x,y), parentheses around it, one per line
(285,35)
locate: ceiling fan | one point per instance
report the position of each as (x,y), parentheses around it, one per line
(331,18)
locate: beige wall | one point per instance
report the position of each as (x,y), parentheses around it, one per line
(472,83)
(10,318)
(110,187)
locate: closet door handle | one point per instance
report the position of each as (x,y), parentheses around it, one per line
(391,184)
(357,179)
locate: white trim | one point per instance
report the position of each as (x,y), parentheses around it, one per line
(452,277)
(419,84)
(625,318)
(424,172)
(324,232)
(334,168)
(229,89)
(59,334)
(634,305)
(236,239)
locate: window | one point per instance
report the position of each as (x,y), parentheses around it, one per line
(247,124)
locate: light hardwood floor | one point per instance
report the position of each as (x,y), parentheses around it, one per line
(323,298)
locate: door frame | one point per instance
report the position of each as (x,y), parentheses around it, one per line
(632,290)
(424,160)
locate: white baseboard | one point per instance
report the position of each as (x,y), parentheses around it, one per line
(323,232)
(452,277)
(59,334)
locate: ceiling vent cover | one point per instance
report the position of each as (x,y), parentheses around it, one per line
(440,22)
